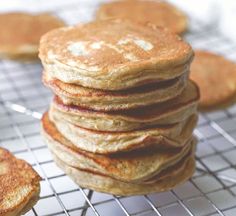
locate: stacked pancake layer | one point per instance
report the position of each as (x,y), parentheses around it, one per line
(124,111)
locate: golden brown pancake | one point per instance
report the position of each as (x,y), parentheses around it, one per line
(216,78)
(114,54)
(139,165)
(20,33)
(102,183)
(159,13)
(19,185)
(175,135)
(170,112)
(116,100)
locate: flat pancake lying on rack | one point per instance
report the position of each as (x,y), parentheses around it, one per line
(175,135)
(114,54)
(102,183)
(139,165)
(116,100)
(167,113)
(19,185)
(20,33)
(159,13)
(216,77)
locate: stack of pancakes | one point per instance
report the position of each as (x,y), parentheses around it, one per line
(124,111)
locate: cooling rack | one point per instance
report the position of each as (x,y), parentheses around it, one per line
(212,189)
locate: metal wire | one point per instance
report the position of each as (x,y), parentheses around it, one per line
(211,191)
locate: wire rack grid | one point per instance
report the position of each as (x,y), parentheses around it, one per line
(212,189)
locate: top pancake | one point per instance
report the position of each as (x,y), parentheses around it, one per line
(216,77)
(20,32)
(158,13)
(19,188)
(114,54)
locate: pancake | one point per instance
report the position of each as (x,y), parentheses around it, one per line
(216,77)
(20,33)
(175,135)
(171,112)
(114,54)
(116,100)
(20,186)
(139,165)
(159,13)
(106,184)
